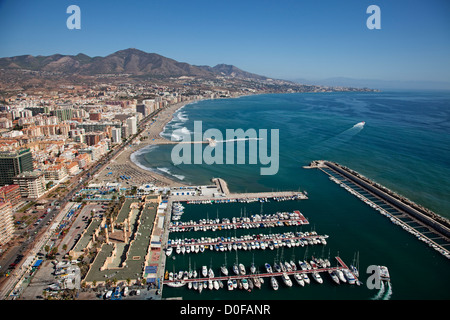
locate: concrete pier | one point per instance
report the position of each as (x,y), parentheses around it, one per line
(401,207)
(341,266)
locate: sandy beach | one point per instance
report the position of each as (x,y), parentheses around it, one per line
(122,164)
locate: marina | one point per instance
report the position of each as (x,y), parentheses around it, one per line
(217,239)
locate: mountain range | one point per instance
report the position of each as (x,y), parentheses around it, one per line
(129,61)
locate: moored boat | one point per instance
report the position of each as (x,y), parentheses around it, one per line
(274,283)
(299,279)
(287,281)
(316,276)
(334,276)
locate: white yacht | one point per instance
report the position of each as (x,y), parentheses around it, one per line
(340,274)
(333,276)
(244,284)
(305,278)
(241,269)
(299,279)
(224,270)
(257,282)
(287,281)
(230,284)
(384,273)
(236,269)
(316,276)
(204,271)
(350,277)
(274,283)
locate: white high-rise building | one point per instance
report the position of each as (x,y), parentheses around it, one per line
(132,125)
(116,135)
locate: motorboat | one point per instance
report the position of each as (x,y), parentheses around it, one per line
(274,283)
(299,279)
(341,276)
(350,277)
(230,284)
(384,273)
(305,278)
(241,269)
(334,276)
(287,281)
(245,284)
(316,276)
(224,270)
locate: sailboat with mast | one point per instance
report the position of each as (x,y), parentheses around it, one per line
(253,268)
(236,265)
(224,268)
(354,267)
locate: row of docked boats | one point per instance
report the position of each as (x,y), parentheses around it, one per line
(177,211)
(246,242)
(395,220)
(338,275)
(278,219)
(296,196)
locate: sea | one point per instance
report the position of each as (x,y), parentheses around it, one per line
(403,145)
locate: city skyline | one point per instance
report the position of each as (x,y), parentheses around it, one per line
(293,40)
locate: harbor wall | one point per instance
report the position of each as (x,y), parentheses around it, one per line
(391,199)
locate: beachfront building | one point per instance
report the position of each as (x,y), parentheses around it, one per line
(116,135)
(55,173)
(132,125)
(6,223)
(31,184)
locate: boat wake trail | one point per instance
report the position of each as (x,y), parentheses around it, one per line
(339,139)
(380,292)
(389,292)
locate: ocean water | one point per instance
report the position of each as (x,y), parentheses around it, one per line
(404,145)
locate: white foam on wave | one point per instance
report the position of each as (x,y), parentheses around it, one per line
(167,171)
(134,156)
(182,117)
(177,135)
(380,292)
(389,292)
(179,117)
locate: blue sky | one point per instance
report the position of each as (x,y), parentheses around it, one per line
(284,39)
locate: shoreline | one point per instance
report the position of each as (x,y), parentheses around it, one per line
(123,162)
(123,159)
